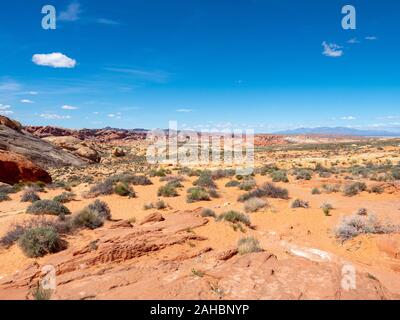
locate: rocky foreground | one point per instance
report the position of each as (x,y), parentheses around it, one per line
(162,258)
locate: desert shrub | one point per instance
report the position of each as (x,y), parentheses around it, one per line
(315,191)
(141,181)
(331,188)
(362,212)
(171,178)
(29,195)
(353,189)
(396,173)
(234,217)
(88,218)
(159,173)
(326,208)
(232,183)
(248,245)
(354,225)
(279,176)
(303,174)
(377,189)
(266,190)
(247,184)
(254,204)
(48,207)
(37,242)
(130,178)
(7,189)
(103,188)
(101,208)
(124,190)
(159,205)
(175,184)
(167,191)
(197,194)
(213,193)
(39,293)
(297,203)
(148,206)
(4,197)
(207,213)
(223,173)
(190,172)
(205,180)
(65,197)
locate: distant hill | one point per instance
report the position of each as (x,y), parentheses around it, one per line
(340,131)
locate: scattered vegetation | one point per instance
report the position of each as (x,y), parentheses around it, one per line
(232,184)
(247,184)
(315,191)
(37,242)
(4,197)
(65,197)
(124,190)
(303,174)
(279,176)
(29,195)
(355,225)
(254,204)
(248,245)
(197,194)
(205,180)
(207,213)
(168,191)
(353,189)
(159,205)
(48,207)
(326,208)
(266,190)
(297,203)
(234,217)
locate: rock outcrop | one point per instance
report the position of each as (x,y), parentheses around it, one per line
(16,140)
(76,146)
(15,168)
(168,260)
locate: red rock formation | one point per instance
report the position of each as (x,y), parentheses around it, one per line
(15,168)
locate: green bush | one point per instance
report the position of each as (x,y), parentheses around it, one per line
(248,245)
(40,241)
(167,191)
(124,190)
(205,180)
(4,197)
(353,189)
(247,184)
(235,217)
(88,218)
(101,208)
(266,190)
(48,207)
(207,213)
(279,176)
(65,197)
(303,174)
(315,191)
(29,195)
(197,194)
(233,183)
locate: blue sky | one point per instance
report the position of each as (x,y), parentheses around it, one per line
(245,63)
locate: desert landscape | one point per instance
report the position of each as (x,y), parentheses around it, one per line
(113,226)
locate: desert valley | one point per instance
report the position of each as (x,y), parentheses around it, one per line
(319,218)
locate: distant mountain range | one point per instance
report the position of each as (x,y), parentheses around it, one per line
(340,131)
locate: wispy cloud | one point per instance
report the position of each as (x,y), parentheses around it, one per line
(54,60)
(371,38)
(108,21)
(26,101)
(154,76)
(348,118)
(71,13)
(9,85)
(184,110)
(115,115)
(332,50)
(67,107)
(353,41)
(4,107)
(53,116)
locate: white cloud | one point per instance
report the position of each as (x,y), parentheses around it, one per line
(53,116)
(9,85)
(33,93)
(26,101)
(72,12)
(6,112)
(66,107)
(184,110)
(4,106)
(55,60)
(332,50)
(348,118)
(115,116)
(371,38)
(353,41)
